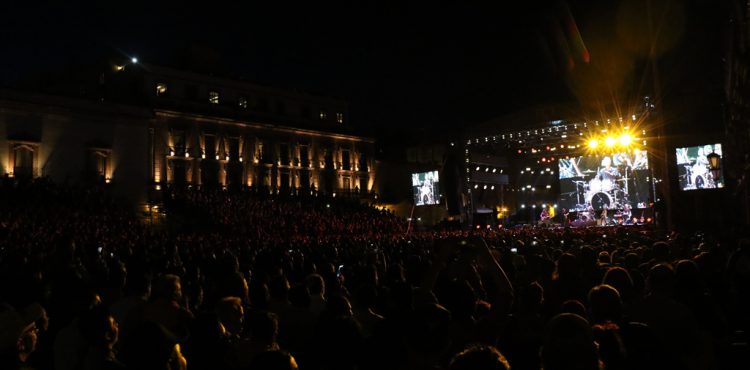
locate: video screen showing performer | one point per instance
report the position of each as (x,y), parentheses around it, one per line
(615,182)
(425,188)
(693,168)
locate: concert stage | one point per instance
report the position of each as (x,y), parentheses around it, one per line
(572,173)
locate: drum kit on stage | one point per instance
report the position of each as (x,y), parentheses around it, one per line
(698,176)
(601,193)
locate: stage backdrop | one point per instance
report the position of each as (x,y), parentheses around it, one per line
(693,169)
(425,188)
(613,181)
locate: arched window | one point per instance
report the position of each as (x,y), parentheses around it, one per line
(22,157)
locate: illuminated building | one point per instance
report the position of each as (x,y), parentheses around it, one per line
(150,127)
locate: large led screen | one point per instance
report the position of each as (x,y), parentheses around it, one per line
(425,187)
(618,181)
(693,168)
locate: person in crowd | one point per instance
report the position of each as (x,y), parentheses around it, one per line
(569,345)
(231,315)
(18,335)
(165,306)
(274,360)
(479,358)
(317,288)
(264,331)
(99,328)
(150,346)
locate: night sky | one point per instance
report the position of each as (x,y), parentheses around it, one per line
(420,66)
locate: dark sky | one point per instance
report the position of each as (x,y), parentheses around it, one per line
(422,65)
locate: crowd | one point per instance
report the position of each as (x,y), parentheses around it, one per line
(268,282)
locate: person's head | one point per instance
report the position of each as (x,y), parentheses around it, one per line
(259,295)
(138,284)
(604,258)
(460,299)
(661,280)
(620,279)
(611,347)
(231,314)
(606,162)
(573,306)
(688,277)
(567,266)
(531,298)
(316,285)
(631,261)
(279,288)
(299,296)
(660,251)
(569,344)
(274,360)
(338,306)
(235,285)
(167,287)
(264,327)
(604,304)
(18,333)
(479,358)
(149,346)
(99,328)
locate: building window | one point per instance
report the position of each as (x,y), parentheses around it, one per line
(234,148)
(285,179)
(323,115)
(340,117)
(98,164)
(242,102)
(179,145)
(363,162)
(303,156)
(209,142)
(284,154)
(345,159)
(264,149)
(23,160)
(161,89)
(328,158)
(213,97)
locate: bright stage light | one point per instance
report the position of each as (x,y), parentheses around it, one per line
(625,139)
(610,141)
(134,60)
(593,143)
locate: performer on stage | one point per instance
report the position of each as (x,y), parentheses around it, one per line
(603,218)
(640,160)
(607,172)
(626,211)
(425,192)
(545,216)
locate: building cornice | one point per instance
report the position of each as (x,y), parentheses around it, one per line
(161,113)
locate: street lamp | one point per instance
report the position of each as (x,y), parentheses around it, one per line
(714,164)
